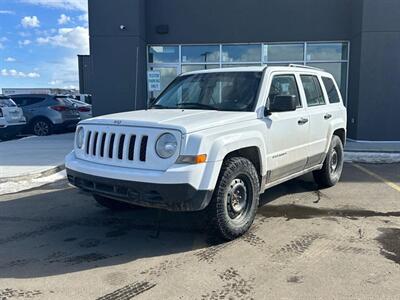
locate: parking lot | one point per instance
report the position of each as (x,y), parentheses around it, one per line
(338,243)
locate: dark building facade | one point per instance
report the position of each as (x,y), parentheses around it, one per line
(358,41)
(85,71)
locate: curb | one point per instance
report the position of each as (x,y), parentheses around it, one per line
(372,157)
(41,174)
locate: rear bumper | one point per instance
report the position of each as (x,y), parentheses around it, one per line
(173,197)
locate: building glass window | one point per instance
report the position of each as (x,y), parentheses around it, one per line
(190,68)
(167,74)
(283,52)
(173,60)
(163,54)
(326,51)
(240,65)
(241,53)
(200,54)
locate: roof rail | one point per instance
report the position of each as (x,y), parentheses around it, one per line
(305,67)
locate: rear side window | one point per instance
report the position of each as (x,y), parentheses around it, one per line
(313,90)
(6,102)
(33,100)
(331,90)
(20,101)
(284,85)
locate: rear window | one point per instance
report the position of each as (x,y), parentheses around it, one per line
(7,102)
(331,90)
(78,102)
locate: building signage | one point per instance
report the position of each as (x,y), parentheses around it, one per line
(154,81)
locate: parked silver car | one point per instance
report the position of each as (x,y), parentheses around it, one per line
(46,113)
(12,119)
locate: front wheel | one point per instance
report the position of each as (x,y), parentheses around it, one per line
(235,201)
(332,168)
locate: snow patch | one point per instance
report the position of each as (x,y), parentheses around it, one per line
(10,187)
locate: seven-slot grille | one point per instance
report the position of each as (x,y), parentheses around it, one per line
(116,146)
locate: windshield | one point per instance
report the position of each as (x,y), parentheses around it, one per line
(228,91)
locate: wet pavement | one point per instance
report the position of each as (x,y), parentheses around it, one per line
(338,243)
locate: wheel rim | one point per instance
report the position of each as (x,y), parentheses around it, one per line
(41,128)
(334,161)
(238,199)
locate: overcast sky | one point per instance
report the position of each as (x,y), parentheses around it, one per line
(40,40)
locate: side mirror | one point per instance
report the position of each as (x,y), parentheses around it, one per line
(281,104)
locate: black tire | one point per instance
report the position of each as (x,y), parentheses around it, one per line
(332,168)
(112,203)
(42,127)
(231,216)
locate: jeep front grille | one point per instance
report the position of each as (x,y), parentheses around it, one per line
(125,146)
(115,145)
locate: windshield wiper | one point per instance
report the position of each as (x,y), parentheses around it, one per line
(196,105)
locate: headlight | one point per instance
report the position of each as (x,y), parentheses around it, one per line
(166,145)
(79,137)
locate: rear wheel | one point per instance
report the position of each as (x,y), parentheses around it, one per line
(234,204)
(42,127)
(112,204)
(332,168)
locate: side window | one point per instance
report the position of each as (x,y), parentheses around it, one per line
(20,101)
(313,90)
(284,85)
(331,90)
(33,100)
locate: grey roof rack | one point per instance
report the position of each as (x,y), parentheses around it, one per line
(305,67)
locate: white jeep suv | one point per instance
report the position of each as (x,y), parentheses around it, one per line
(215,140)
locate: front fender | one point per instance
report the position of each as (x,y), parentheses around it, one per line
(217,143)
(226,144)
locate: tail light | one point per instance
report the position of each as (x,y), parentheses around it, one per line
(59,108)
(84,109)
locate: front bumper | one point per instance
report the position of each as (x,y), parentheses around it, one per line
(12,128)
(173,197)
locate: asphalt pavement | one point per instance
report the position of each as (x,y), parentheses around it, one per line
(306,243)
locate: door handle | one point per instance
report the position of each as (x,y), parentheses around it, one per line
(302,121)
(327,116)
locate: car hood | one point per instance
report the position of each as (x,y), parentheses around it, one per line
(186,121)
